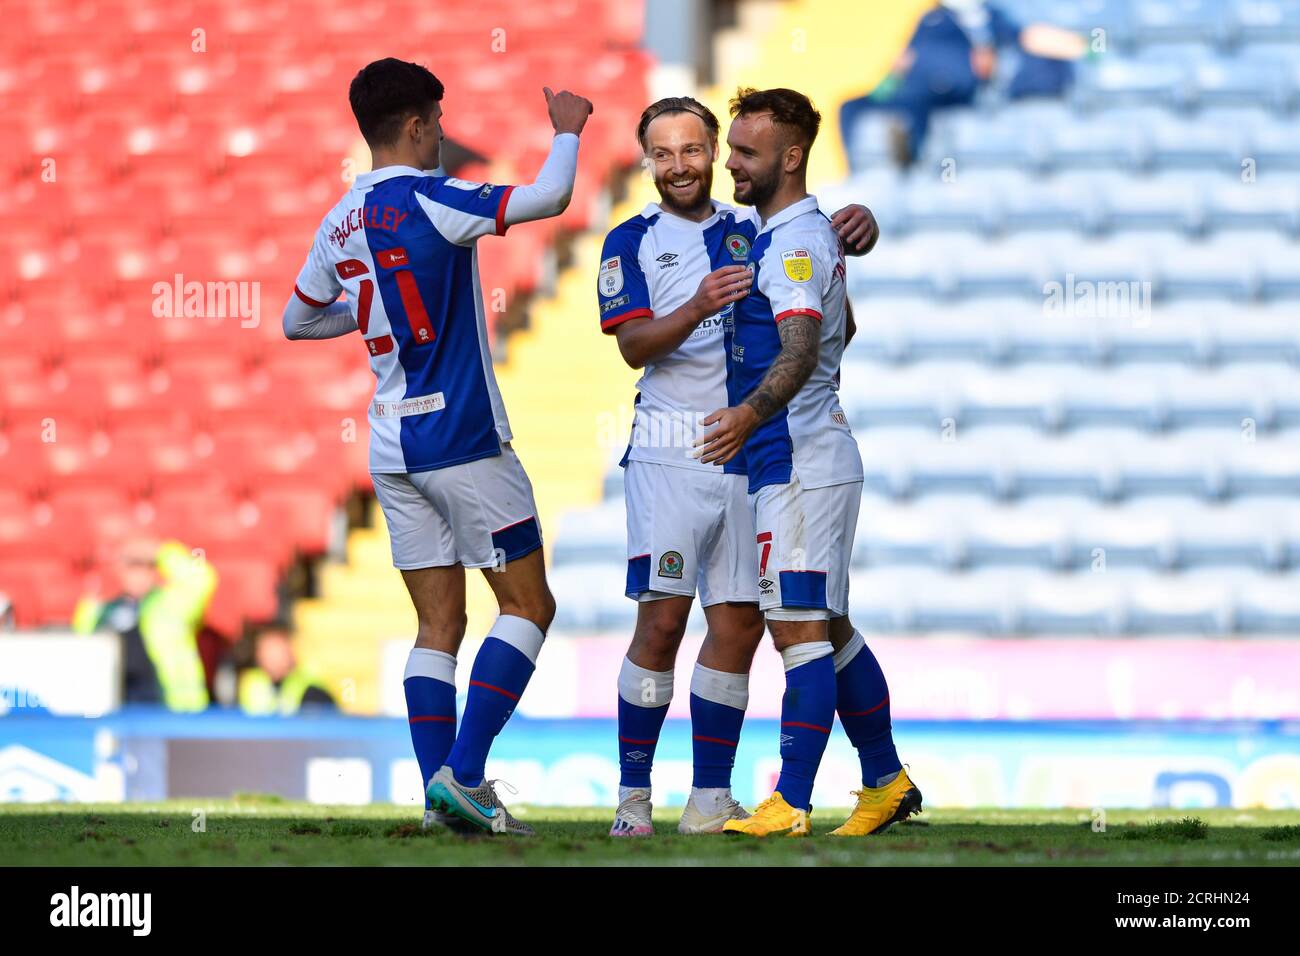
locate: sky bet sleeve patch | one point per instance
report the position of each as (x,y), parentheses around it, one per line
(798,264)
(611,276)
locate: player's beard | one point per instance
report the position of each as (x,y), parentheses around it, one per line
(698,200)
(760,188)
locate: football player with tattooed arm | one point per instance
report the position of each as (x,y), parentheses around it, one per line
(668,283)
(804,470)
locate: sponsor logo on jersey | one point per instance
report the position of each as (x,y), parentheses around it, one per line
(409,406)
(839,418)
(611,276)
(738,246)
(464,184)
(737,353)
(670,565)
(797,264)
(667,259)
(486,191)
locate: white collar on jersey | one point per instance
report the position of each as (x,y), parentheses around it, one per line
(386,172)
(654,209)
(807,204)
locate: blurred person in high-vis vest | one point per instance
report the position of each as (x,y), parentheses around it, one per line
(276,684)
(164,591)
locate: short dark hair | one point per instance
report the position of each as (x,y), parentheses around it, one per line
(789,108)
(386,93)
(676,104)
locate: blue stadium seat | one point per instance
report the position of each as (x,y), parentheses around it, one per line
(1202,21)
(593,536)
(1117,81)
(1266,22)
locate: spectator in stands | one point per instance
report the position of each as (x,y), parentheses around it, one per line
(952,54)
(164,592)
(276,684)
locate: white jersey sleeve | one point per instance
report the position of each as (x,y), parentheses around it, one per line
(797,274)
(318,284)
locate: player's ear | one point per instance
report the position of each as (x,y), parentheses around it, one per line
(793,158)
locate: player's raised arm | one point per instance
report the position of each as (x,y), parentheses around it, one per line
(549,195)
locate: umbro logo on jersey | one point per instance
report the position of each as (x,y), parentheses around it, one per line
(667,259)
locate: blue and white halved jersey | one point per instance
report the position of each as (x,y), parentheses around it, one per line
(401,244)
(798,270)
(650,266)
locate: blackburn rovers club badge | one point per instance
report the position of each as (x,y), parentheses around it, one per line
(670,565)
(738,246)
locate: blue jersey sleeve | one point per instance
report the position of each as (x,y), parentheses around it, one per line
(463,211)
(620,286)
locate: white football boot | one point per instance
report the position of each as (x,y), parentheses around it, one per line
(632,818)
(707,810)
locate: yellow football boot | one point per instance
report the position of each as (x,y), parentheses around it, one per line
(772,817)
(879,808)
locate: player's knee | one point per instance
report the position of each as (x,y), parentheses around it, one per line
(538,608)
(444,634)
(661,631)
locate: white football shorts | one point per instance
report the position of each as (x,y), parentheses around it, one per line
(805,541)
(688,530)
(479,514)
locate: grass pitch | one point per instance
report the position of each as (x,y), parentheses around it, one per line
(254,830)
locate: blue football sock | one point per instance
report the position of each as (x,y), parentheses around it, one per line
(807,712)
(718,702)
(643,698)
(501,671)
(430,684)
(862,699)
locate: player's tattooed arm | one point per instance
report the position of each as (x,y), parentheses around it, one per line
(857,228)
(800,342)
(794,364)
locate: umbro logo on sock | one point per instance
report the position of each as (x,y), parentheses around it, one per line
(636,755)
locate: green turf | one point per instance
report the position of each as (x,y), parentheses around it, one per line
(264,830)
